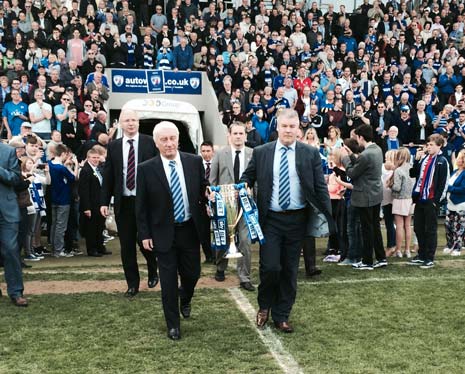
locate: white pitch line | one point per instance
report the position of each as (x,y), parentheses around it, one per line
(375,279)
(284,359)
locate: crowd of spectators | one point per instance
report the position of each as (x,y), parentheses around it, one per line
(397,66)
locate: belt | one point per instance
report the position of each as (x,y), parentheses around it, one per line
(182,224)
(289,212)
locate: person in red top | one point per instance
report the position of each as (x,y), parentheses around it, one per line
(87,117)
(302,81)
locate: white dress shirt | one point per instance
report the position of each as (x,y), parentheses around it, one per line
(182,181)
(241,159)
(297,197)
(126,147)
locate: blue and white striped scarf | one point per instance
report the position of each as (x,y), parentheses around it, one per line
(424,187)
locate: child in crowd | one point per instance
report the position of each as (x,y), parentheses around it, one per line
(431,173)
(61,179)
(336,245)
(402,186)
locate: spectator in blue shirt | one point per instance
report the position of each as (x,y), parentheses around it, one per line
(61,182)
(183,58)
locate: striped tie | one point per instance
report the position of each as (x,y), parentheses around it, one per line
(176,194)
(131,170)
(284,183)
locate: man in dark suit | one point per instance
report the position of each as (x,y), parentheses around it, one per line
(367,194)
(291,186)
(9,220)
(91,221)
(72,131)
(119,180)
(207,152)
(169,203)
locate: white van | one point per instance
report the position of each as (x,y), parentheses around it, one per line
(184,115)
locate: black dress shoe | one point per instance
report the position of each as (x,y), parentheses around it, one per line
(219,276)
(106,253)
(131,292)
(284,327)
(174,334)
(185,310)
(94,254)
(313,272)
(247,286)
(25,266)
(152,282)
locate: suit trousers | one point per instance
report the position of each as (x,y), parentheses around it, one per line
(371,233)
(425,226)
(279,262)
(244,263)
(92,230)
(183,258)
(309,252)
(10,253)
(127,232)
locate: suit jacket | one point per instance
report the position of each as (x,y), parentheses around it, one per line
(79,135)
(222,168)
(310,172)
(9,177)
(365,172)
(89,190)
(457,190)
(154,204)
(113,171)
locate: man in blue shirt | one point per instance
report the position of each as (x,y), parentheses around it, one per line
(14,114)
(183,58)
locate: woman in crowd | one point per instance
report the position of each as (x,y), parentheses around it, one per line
(455,217)
(333,141)
(402,186)
(386,204)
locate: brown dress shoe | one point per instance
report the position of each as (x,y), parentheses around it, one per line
(284,327)
(262,317)
(19,301)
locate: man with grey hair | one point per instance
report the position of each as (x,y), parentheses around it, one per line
(169,203)
(119,181)
(290,189)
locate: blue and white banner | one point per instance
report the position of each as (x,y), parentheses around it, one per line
(156,81)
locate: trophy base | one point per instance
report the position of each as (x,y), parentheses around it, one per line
(234,255)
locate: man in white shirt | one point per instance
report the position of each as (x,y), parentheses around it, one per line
(40,114)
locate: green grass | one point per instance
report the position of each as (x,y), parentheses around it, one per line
(99,333)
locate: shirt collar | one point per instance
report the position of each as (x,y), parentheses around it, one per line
(233,150)
(135,137)
(279,145)
(177,159)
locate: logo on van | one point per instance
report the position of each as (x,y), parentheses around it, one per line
(118,80)
(194,82)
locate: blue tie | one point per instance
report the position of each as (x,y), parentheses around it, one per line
(176,194)
(284,183)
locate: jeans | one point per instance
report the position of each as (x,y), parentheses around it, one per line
(389,223)
(26,231)
(354,234)
(60,214)
(11,261)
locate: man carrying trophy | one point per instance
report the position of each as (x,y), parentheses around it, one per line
(291,190)
(227,166)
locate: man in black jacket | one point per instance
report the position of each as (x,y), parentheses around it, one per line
(169,203)
(119,181)
(290,183)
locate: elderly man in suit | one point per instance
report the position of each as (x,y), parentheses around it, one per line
(291,188)
(119,180)
(9,221)
(228,165)
(367,194)
(169,203)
